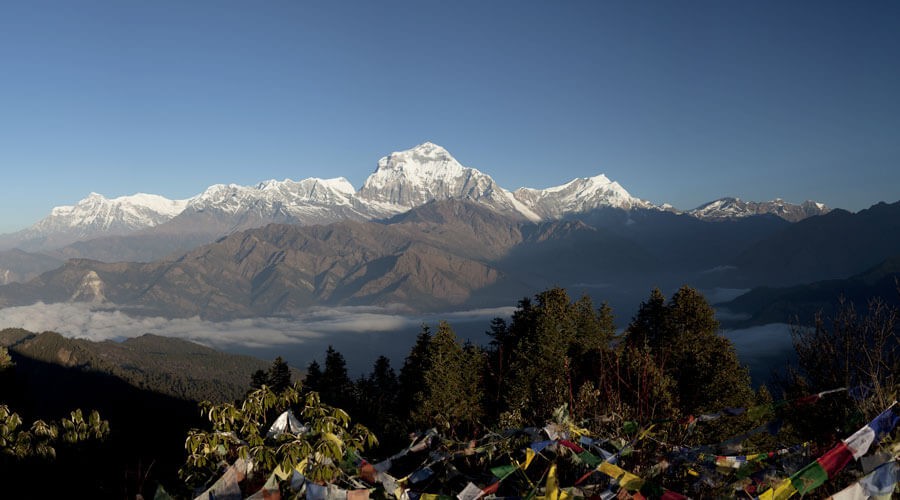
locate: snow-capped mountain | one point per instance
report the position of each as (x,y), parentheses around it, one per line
(97,215)
(578,196)
(428,172)
(733,208)
(309,201)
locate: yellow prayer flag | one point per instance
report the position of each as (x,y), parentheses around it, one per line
(628,480)
(784,491)
(529,456)
(552,490)
(283,474)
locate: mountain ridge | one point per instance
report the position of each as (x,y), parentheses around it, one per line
(402,180)
(729,208)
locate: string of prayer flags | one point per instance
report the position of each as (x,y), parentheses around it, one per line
(540,445)
(737,461)
(879,483)
(814,398)
(755,412)
(269,491)
(226,487)
(816,473)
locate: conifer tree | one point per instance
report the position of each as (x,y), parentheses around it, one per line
(648,327)
(279,375)
(412,374)
(258,379)
(335,386)
(540,378)
(313,380)
(451,396)
(683,337)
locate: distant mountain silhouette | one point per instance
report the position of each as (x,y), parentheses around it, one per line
(801,303)
(831,246)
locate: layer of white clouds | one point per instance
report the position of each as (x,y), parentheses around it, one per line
(79,320)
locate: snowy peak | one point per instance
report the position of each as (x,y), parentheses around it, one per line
(729,208)
(577,196)
(428,172)
(427,156)
(309,201)
(233,197)
(117,215)
(421,174)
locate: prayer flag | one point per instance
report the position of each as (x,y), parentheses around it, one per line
(470,492)
(529,456)
(829,464)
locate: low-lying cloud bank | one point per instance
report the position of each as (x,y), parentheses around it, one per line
(78,320)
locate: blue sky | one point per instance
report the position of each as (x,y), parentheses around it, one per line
(681,102)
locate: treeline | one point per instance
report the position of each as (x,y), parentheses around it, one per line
(669,363)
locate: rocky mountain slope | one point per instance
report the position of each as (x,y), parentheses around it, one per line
(17,265)
(282,268)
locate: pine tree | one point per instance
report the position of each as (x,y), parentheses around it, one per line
(648,327)
(497,366)
(335,386)
(376,403)
(279,375)
(313,380)
(541,371)
(683,337)
(412,374)
(451,396)
(258,379)
(384,381)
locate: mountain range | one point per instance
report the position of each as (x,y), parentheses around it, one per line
(423,233)
(94,227)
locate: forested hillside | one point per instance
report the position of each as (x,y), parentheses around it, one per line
(169,366)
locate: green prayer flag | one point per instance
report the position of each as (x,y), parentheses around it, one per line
(589,458)
(809,478)
(502,471)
